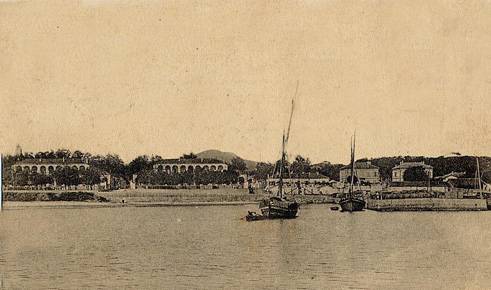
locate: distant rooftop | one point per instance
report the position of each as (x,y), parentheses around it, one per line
(451,175)
(190,161)
(361,165)
(49,161)
(406,165)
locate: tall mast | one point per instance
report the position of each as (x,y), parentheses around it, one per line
(282,164)
(1,185)
(353,141)
(479,178)
(283,145)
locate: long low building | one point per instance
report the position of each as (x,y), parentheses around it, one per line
(189,165)
(48,166)
(364,172)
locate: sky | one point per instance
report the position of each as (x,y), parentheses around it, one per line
(151,77)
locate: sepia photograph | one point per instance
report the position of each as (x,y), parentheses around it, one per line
(286,144)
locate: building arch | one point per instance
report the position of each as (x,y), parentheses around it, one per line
(18,168)
(42,169)
(81,167)
(26,168)
(51,169)
(213,168)
(206,168)
(220,167)
(168,169)
(191,168)
(182,168)
(175,169)
(34,168)
(160,168)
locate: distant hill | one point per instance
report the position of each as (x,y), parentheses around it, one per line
(225,157)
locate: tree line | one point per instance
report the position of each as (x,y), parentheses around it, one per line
(142,166)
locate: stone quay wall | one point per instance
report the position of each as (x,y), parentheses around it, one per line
(427,204)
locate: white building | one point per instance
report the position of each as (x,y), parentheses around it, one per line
(189,165)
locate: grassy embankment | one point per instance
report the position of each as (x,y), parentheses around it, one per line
(25,195)
(191,196)
(156,196)
(182,196)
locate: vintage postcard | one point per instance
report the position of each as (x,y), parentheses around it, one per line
(317,144)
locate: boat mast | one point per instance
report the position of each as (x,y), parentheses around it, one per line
(1,185)
(280,191)
(353,140)
(479,178)
(283,145)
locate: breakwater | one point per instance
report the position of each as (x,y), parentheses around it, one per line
(427,204)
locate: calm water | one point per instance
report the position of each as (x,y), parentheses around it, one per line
(211,247)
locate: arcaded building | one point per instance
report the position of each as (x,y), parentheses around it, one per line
(48,166)
(189,165)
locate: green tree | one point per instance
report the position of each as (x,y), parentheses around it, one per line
(77,154)
(263,170)
(138,164)
(90,176)
(189,156)
(40,179)
(21,178)
(67,176)
(110,163)
(415,174)
(330,170)
(237,164)
(63,153)
(301,167)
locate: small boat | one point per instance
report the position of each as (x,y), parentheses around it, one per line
(253,216)
(351,202)
(334,207)
(276,207)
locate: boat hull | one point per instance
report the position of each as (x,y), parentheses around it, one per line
(352,204)
(279,209)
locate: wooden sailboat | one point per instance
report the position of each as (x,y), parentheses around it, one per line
(278,206)
(351,202)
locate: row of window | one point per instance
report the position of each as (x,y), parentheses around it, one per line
(49,169)
(189,168)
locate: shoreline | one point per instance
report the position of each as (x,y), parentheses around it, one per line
(71,204)
(146,198)
(14,205)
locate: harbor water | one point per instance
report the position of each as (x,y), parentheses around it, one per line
(211,247)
